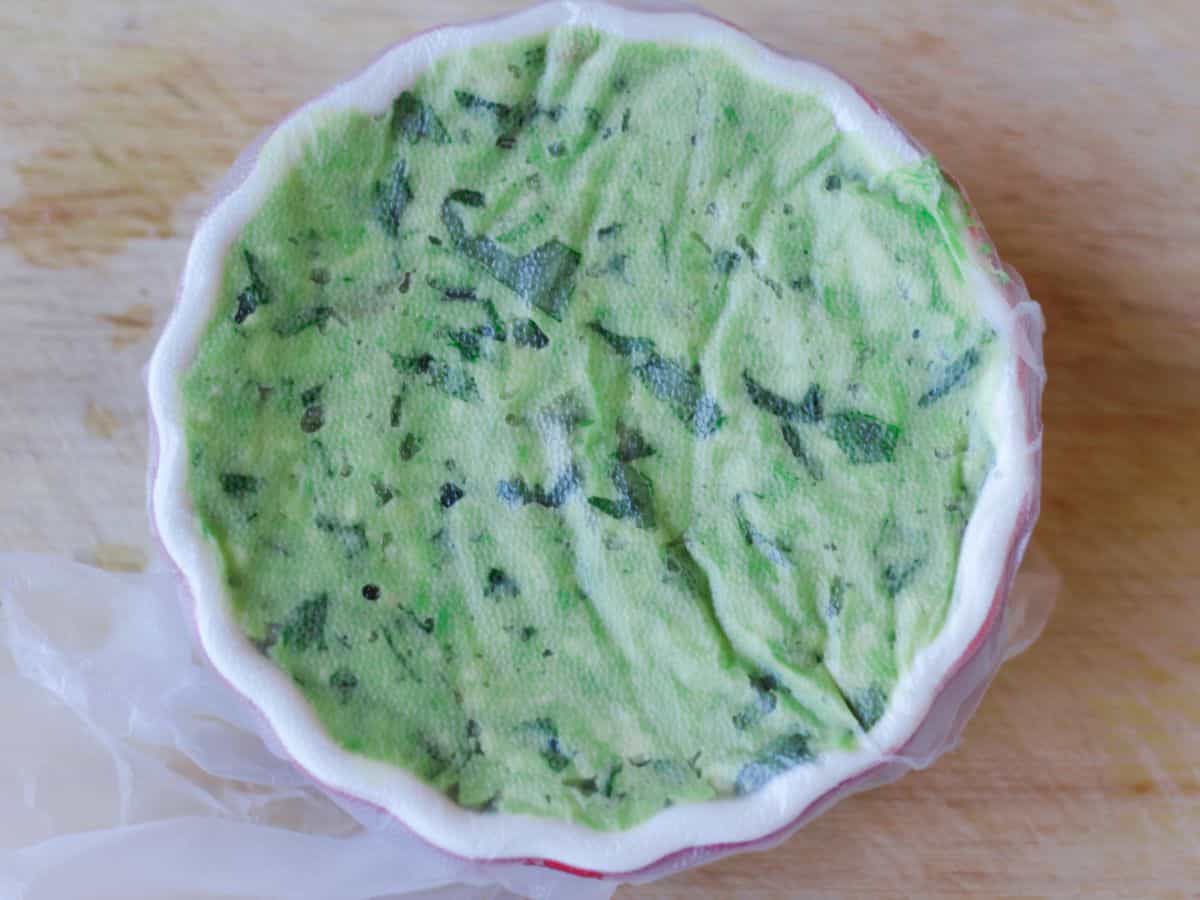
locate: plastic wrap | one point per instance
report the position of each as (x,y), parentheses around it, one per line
(163,781)
(130,769)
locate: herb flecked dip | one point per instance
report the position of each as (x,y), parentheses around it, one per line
(595,430)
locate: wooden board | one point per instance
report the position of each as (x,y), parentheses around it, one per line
(1075,124)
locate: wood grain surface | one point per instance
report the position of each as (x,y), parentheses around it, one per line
(1075,125)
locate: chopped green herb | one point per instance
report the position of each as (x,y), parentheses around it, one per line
(864,438)
(869,706)
(410,446)
(343,682)
(795,443)
(545,276)
(631,445)
(515,491)
(353,538)
(449,494)
(305,627)
(383,493)
(775,551)
(466,343)
(500,583)
(725,261)
(527,334)
(954,376)
(313,418)
(635,497)
(439,375)
(416,120)
(392,198)
(550,748)
(255,294)
(810,409)
(777,757)
(667,381)
(744,244)
(397,410)
(238,485)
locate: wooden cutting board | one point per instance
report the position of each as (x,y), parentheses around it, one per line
(1075,124)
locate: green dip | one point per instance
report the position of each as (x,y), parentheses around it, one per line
(595,430)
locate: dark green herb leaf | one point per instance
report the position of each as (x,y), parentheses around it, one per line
(392,198)
(449,494)
(397,410)
(466,343)
(777,757)
(459,293)
(527,334)
(353,538)
(343,682)
(437,374)
(545,276)
(618,509)
(746,248)
(631,445)
(775,551)
(551,750)
(810,409)
(516,492)
(609,231)
(312,395)
(255,294)
(868,706)
(383,493)
(864,438)
(564,486)
(635,497)
(535,57)
(238,485)
(725,261)
(900,553)
(795,443)
(416,120)
(667,381)
(312,419)
(638,490)
(474,103)
(410,446)
(897,575)
(750,715)
(305,627)
(500,583)
(954,375)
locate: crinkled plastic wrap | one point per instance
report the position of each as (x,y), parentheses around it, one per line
(130,769)
(135,770)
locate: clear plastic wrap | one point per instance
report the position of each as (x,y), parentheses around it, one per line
(130,769)
(158,779)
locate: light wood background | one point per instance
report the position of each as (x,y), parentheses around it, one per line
(1075,124)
